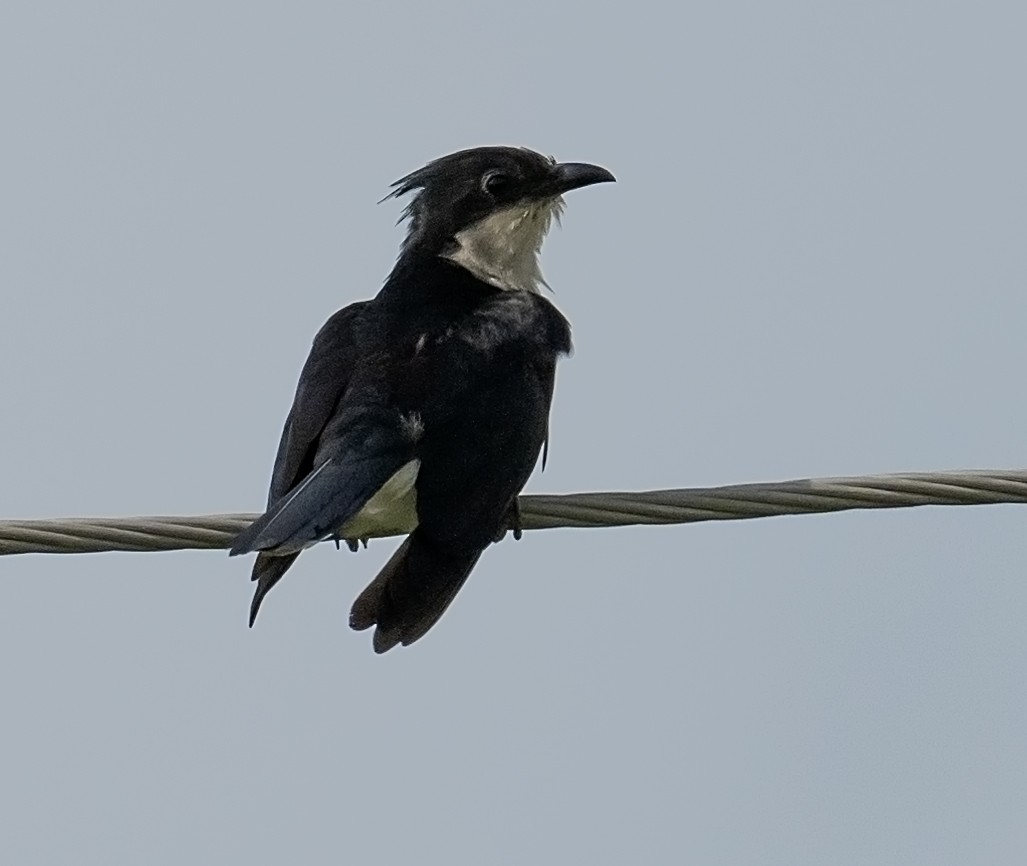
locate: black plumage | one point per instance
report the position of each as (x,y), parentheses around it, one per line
(438,390)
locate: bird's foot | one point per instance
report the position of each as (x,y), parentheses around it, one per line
(512,523)
(351,543)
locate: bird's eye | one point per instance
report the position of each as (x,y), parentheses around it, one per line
(495,183)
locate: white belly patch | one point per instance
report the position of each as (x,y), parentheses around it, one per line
(391,511)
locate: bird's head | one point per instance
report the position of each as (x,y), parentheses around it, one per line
(488,209)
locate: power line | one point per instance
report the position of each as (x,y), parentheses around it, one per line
(692,505)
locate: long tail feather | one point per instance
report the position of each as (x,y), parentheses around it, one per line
(411,592)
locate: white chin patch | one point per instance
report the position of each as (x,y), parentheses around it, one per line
(502,248)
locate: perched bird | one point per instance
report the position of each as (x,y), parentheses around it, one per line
(424,409)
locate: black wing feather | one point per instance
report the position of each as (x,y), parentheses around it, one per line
(374,444)
(324,380)
(325,377)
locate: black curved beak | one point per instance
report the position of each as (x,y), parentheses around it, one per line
(574,175)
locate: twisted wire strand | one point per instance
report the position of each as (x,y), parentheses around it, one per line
(655,507)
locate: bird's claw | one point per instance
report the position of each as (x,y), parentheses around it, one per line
(512,524)
(351,543)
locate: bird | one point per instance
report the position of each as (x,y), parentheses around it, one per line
(423,410)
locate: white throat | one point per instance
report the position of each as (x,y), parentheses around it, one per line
(502,248)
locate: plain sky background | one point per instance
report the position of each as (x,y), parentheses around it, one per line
(814,263)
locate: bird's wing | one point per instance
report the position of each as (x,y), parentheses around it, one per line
(365,447)
(323,381)
(325,377)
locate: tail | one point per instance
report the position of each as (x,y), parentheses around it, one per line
(267,571)
(411,592)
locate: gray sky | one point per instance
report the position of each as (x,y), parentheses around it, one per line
(814,263)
